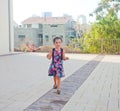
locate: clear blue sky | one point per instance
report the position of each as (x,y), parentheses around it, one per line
(23,9)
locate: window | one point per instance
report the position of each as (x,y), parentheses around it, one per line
(54,25)
(47,38)
(40,26)
(40,35)
(29,25)
(21,37)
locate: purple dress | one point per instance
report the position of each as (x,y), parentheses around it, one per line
(56,67)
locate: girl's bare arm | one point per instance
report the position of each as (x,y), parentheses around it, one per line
(49,55)
(64,57)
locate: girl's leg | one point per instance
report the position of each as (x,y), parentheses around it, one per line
(58,85)
(55,82)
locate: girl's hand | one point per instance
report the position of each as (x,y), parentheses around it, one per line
(64,57)
(67,58)
(49,55)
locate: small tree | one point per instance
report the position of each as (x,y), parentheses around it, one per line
(107,25)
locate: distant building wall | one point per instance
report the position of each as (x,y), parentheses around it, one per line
(6,30)
(43,32)
(50,31)
(35,25)
(27,35)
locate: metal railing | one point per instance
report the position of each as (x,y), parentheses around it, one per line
(104,46)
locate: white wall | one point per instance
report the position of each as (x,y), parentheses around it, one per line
(6,28)
(35,25)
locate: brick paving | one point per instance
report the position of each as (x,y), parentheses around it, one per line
(101,91)
(23,82)
(9,54)
(23,78)
(54,102)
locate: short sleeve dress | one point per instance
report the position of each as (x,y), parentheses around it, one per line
(56,66)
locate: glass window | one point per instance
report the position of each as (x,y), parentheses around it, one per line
(21,36)
(47,38)
(29,25)
(54,25)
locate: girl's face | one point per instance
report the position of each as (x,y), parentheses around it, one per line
(58,43)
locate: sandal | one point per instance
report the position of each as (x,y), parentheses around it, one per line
(58,91)
(55,87)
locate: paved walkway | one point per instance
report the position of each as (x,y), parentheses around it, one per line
(54,102)
(24,80)
(101,91)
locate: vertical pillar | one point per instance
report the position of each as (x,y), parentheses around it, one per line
(11,30)
(6,28)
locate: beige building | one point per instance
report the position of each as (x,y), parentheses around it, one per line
(6,28)
(41,30)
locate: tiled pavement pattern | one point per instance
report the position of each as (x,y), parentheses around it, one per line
(101,91)
(23,77)
(23,80)
(54,102)
(9,54)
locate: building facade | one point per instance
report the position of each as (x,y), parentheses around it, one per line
(41,31)
(27,35)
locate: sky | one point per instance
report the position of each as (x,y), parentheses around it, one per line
(23,9)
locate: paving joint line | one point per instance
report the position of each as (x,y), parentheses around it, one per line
(10,54)
(51,101)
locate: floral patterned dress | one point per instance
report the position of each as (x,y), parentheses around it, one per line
(56,67)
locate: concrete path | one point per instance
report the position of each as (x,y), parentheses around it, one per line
(51,101)
(101,91)
(23,78)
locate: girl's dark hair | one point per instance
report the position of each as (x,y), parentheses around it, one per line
(56,39)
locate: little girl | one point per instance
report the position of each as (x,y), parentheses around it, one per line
(56,67)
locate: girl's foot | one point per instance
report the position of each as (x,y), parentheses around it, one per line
(55,87)
(58,91)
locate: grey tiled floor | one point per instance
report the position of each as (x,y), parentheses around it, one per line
(23,80)
(101,91)
(54,102)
